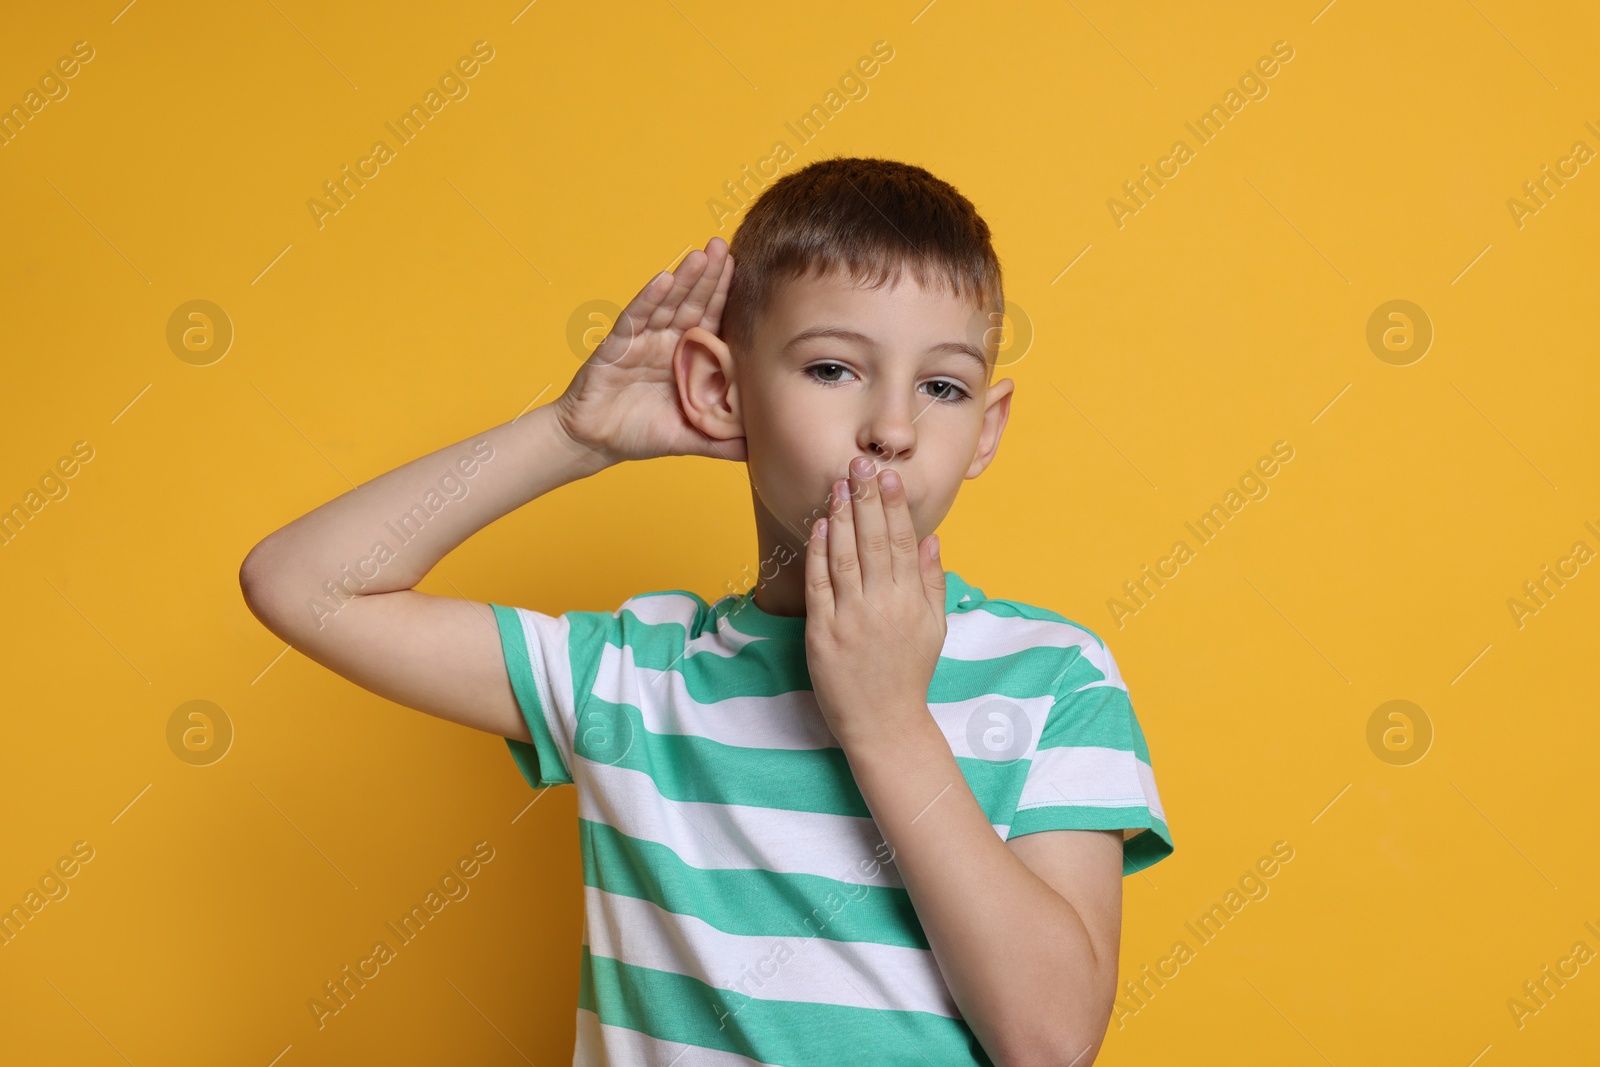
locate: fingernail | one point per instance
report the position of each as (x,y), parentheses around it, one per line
(822,529)
(891,480)
(935,546)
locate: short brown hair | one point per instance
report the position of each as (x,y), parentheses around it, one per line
(871,217)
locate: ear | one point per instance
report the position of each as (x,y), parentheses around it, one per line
(708,389)
(996,410)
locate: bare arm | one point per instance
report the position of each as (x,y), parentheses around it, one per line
(1026,931)
(338,582)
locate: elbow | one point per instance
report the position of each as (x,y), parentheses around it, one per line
(1078,1054)
(257,583)
(252,579)
(1074,1049)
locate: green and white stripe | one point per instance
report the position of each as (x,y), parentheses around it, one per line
(735,896)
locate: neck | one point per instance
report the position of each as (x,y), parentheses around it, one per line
(780,586)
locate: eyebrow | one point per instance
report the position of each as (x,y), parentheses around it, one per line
(841,333)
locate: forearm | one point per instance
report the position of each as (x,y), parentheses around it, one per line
(1014,953)
(418,512)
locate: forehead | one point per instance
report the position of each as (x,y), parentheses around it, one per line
(901,312)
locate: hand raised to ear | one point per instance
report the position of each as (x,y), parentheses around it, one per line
(623,402)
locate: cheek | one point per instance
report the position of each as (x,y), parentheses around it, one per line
(933,499)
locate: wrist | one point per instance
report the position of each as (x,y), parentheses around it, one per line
(587,457)
(889,732)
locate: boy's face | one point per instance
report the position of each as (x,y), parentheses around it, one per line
(897,375)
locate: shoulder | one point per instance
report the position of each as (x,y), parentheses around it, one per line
(999,626)
(665,616)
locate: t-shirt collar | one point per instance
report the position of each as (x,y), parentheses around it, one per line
(745,615)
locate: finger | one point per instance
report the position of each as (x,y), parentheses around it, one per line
(933,577)
(904,562)
(844,567)
(819,586)
(684,278)
(713,316)
(693,307)
(637,314)
(872,530)
(633,320)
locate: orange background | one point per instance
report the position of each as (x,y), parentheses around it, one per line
(1229,312)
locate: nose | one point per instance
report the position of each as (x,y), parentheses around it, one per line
(888,432)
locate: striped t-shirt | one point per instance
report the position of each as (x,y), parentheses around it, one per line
(739,899)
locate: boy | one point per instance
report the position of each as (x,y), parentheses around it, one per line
(859,813)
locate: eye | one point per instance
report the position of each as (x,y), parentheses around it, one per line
(813,369)
(953,394)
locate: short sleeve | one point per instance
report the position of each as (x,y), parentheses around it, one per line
(1091,768)
(552,661)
